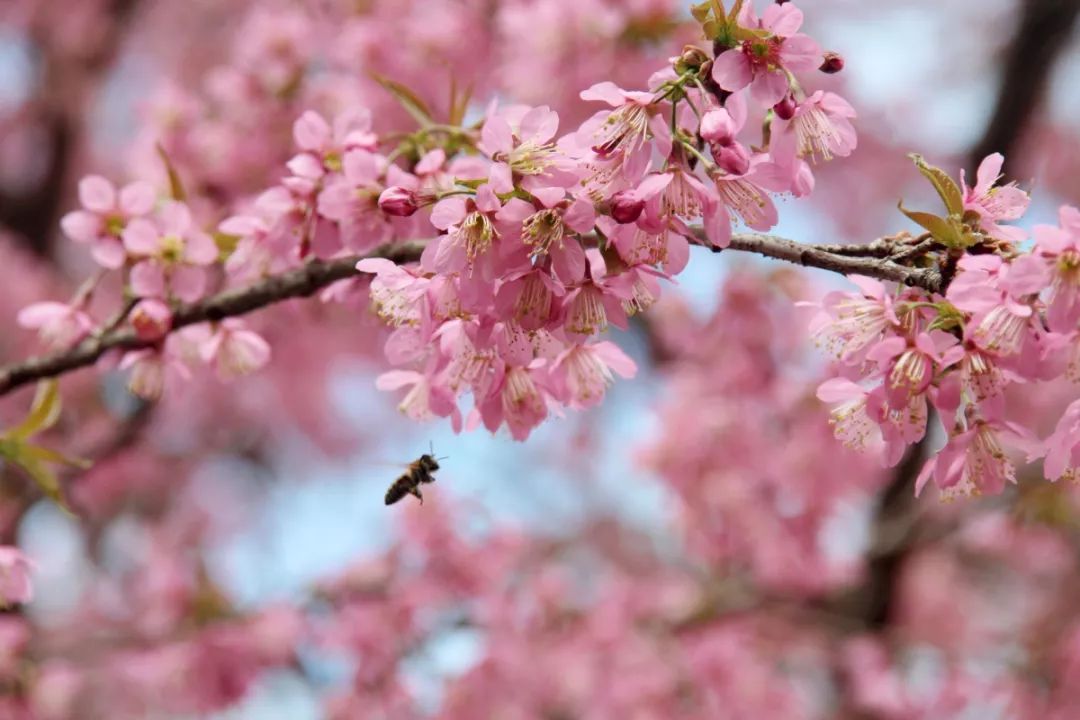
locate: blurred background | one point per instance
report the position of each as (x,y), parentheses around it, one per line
(696,547)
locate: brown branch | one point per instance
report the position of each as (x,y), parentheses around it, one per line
(301,282)
(1044,31)
(928,279)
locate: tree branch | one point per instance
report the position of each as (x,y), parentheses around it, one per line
(1044,31)
(824,258)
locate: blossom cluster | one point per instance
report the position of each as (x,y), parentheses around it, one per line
(1009,316)
(535,242)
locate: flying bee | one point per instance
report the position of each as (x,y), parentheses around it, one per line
(418,472)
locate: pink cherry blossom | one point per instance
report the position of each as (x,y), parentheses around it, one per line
(820,129)
(15,584)
(994,203)
(1061,248)
(234,350)
(353,202)
(975,461)
(169,254)
(582,373)
(58,324)
(761,63)
(105,215)
(1063,446)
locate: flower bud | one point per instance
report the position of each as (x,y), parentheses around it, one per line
(692,58)
(733,159)
(785,109)
(718,127)
(398,201)
(626,207)
(151,319)
(832,63)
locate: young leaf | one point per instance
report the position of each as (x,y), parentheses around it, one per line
(946,187)
(44,412)
(32,461)
(944,230)
(176,188)
(408,99)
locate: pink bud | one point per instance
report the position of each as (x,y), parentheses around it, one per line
(785,109)
(733,159)
(832,63)
(718,126)
(152,319)
(398,201)
(626,207)
(15,585)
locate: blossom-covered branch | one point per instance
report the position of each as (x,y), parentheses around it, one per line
(318,274)
(301,282)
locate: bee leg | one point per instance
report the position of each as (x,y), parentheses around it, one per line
(419,496)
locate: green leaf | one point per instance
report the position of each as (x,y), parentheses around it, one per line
(32,461)
(408,99)
(949,318)
(176,188)
(945,230)
(44,412)
(52,456)
(701,11)
(226,243)
(946,187)
(459,104)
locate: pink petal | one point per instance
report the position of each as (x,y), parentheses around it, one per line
(607,92)
(82,226)
(540,124)
(549,196)
(501,178)
(200,249)
(580,216)
(375,265)
(783,20)
(138,198)
(360,167)
(732,71)
(396,379)
(569,261)
(148,279)
(613,356)
(108,252)
(431,162)
(799,53)
(311,131)
(769,88)
(141,237)
(187,282)
(838,390)
(97,194)
(988,173)
(447,212)
(41,313)
(496,136)
(175,219)
(678,254)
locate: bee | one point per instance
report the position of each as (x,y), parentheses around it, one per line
(418,472)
